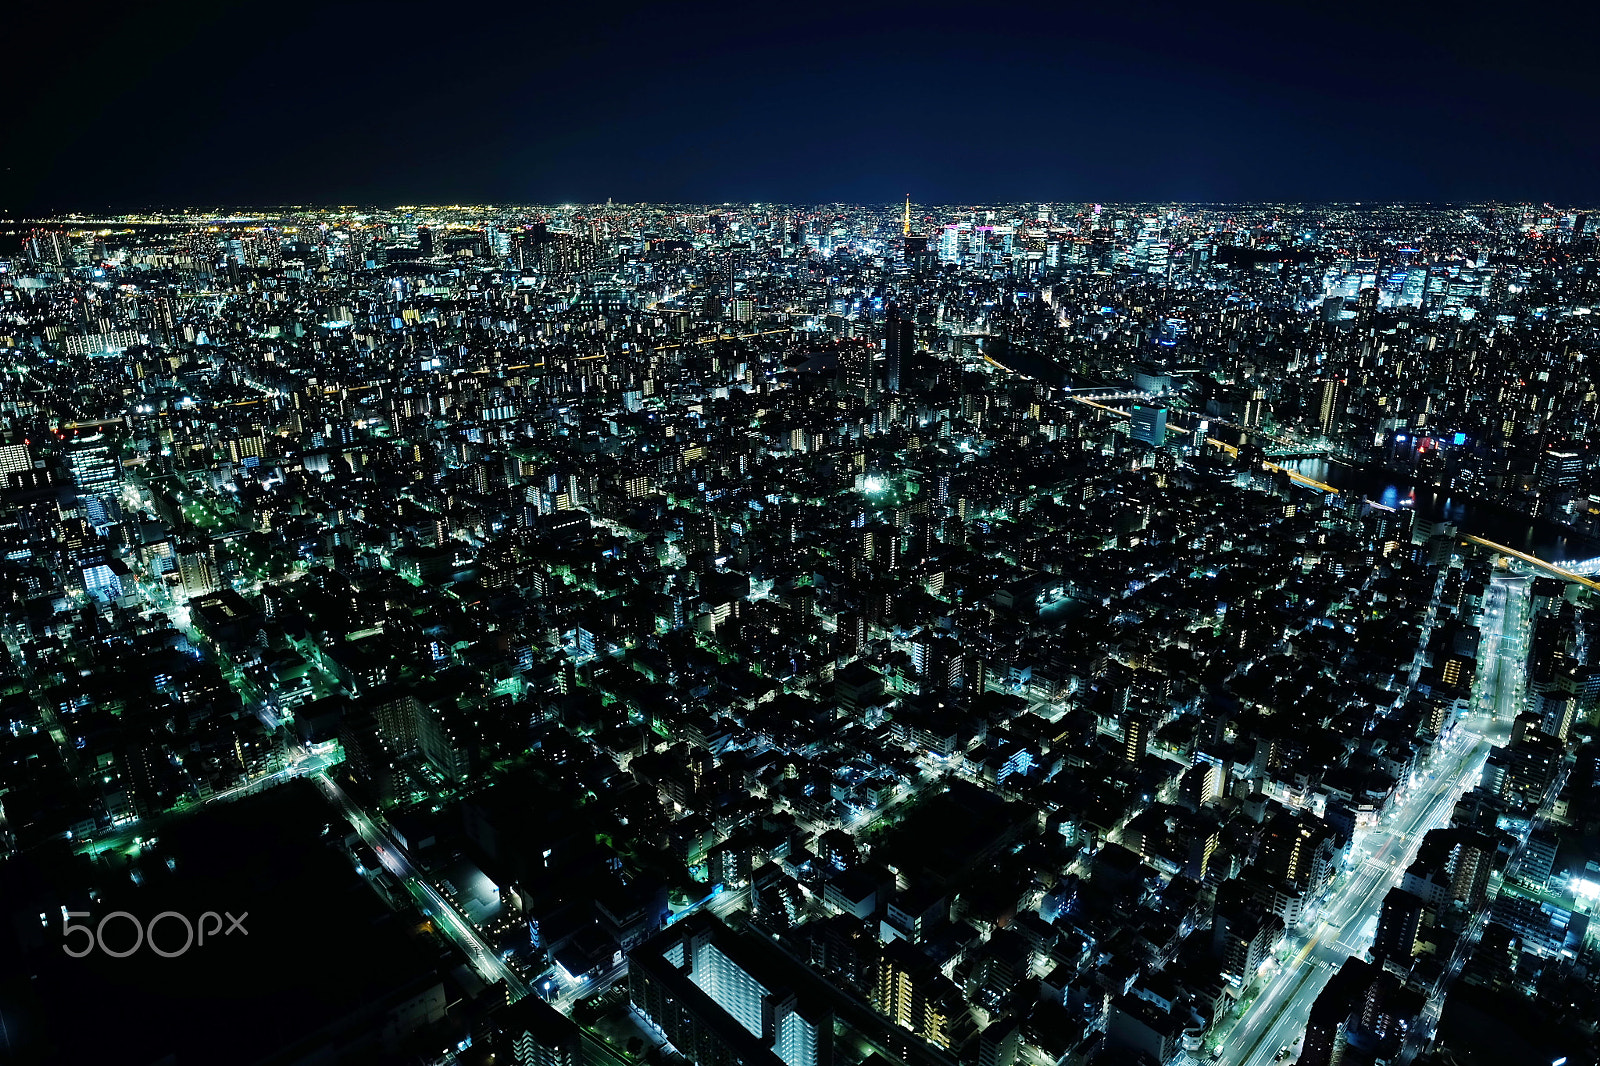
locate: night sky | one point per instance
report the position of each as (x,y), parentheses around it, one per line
(180,103)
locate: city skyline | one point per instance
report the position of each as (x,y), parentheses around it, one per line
(872,533)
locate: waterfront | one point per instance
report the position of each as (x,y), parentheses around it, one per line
(1536,536)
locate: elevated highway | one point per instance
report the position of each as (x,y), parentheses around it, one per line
(1565,571)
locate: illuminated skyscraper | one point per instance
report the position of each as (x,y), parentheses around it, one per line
(1330,404)
(899,334)
(1149,424)
(1254,408)
(1559,469)
(950,244)
(97,474)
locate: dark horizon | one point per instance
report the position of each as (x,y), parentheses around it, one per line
(184,103)
(216,210)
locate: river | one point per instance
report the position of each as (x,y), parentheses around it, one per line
(1536,536)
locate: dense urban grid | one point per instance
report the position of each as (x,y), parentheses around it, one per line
(998,635)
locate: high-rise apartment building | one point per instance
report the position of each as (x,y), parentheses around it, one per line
(540,1035)
(1399,921)
(725,999)
(1330,404)
(913,994)
(14,459)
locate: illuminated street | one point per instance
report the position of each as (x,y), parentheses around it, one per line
(1381,855)
(450,922)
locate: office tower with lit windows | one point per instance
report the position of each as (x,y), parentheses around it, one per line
(94,468)
(855,370)
(899,336)
(1560,470)
(1149,424)
(950,242)
(97,475)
